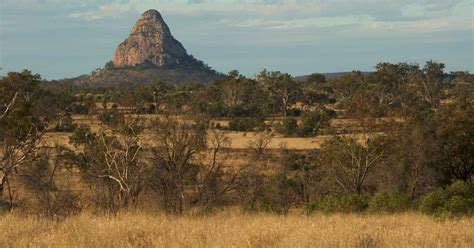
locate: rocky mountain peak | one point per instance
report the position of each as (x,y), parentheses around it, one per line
(150,41)
(150,22)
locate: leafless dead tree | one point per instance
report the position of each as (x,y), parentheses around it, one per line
(8,106)
(175,165)
(54,198)
(260,144)
(349,162)
(116,161)
(16,152)
(216,178)
(190,166)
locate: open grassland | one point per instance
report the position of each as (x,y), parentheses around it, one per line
(230,229)
(238,140)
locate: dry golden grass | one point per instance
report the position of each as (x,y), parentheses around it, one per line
(239,140)
(229,229)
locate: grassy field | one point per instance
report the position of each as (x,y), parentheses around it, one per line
(239,140)
(230,229)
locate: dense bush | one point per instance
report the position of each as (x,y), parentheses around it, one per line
(457,199)
(312,121)
(65,123)
(81,108)
(279,194)
(111,118)
(4,207)
(418,145)
(145,109)
(289,127)
(390,202)
(344,204)
(294,112)
(246,124)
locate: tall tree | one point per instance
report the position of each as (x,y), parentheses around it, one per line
(21,124)
(175,165)
(113,158)
(429,82)
(281,86)
(349,163)
(412,152)
(316,78)
(456,136)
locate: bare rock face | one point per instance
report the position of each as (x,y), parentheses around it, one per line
(150,41)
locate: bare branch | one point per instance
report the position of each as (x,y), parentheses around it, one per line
(9,106)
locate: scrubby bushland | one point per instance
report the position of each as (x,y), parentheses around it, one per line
(64,123)
(340,203)
(455,200)
(406,135)
(112,163)
(246,124)
(313,121)
(390,202)
(111,117)
(52,198)
(288,127)
(180,175)
(310,125)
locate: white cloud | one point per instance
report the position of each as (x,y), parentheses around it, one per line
(102,11)
(300,23)
(303,14)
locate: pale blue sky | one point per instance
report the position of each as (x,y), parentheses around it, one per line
(66,38)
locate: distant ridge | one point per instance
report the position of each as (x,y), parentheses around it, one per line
(331,75)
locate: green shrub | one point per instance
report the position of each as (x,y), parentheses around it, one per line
(246,124)
(81,108)
(455,200)
(289,127)
(81,135)
(111,118)
(4,207)
(279,194)
(65,123)
(432,202)
(344,204)
(294,112)
(390,202)
(312,121)
(458,205)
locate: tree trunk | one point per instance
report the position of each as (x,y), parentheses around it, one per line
(413,191)
(10,195)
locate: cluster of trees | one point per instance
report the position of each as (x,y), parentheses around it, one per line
(245,101)
(393,90)
(414,146)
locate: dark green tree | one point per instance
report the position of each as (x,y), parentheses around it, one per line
(282,87)
(455,134)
